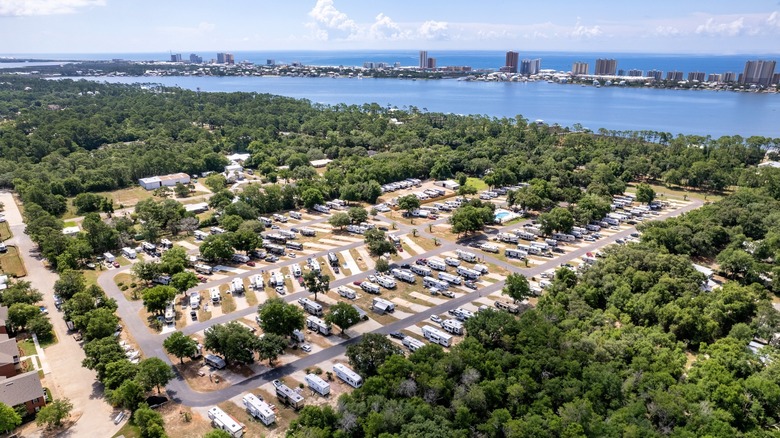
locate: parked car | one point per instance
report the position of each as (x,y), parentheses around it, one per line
(448,294)
(250,263)
(397,335)
(280,290)
(470,284)
(421,262)
(436,319)
(115,263)
(306,348)
(194,315)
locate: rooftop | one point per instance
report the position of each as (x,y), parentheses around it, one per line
(19,389)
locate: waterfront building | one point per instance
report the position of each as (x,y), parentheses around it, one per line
(579,68)
(431,64)
(270,62)
(195,59)
(758,72)
(696,76)
(729,76)
(621,72)
(606,67)
(674,75)
(368,65)
(397,65)
(530,66)
(175,57)
(225,58)
(512,59)
(655,74)
(635,72)
(713,77)
(776,78)
(423,59)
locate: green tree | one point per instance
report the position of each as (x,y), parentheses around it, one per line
(343,315)
(128,395)
(157,298)
(312,197)
(230,222)
(466,190)
(9,419)
(183,281)
(516,287)
(217,247)
(339,220)
(20,314)
(233,341)
(41,327)
(100,353)
(180,345)
(316,283)
(469,218)
(270,346)
(217,433)
(181,190)
(367,356)
(358,215)
(644,193)
(246,240)
(173,261)
(149,421)
(22,292)
(377,243)
(52,414)
(558,219)
(382,265)
(154,372)
(101,323)
(215,182)
(279,317)
(736,262)
(146,271)
(119,371)
(69,283)
(408,203)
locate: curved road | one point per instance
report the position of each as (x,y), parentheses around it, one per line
(151,344)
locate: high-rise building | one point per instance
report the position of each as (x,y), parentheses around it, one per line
(713,77)
(175,57)
(758,72)
(225,58)
(655,74)
(270,62)
(431,64)
(530,66)
(579,68)
(423,59)
(606,67)
(195,59)
(729,76)
(695,76)
(512,59)
(621,72)
(635,72)
(776,78)
(676,76)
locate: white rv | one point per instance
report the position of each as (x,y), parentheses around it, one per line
(214,293)
(386,282)
(319,386)
(259,409)
(412,344)
(437,264)
(449,278)
(310,306)
(194,300)
(515,253)
(489,247)
(257,282)
(346,292)
(471,274)
(346,374)
(507,237)
(199,235)
(237,286)
(371,288)
(221,420)
(421,270)
(317,325)
(436,336)
(466,256)
(381,305)
(203,268)
(432,282)
(453,326)
(129,253)
(170,313)
(404,275)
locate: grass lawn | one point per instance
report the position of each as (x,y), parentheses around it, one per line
(678,193)
(11,263)
(127,197)
(228,304)
(251,297)
(91,275)
(27,347)
(5,231)
(129,431)
(476,183)
(45,343)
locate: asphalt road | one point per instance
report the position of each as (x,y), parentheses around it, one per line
(151,344)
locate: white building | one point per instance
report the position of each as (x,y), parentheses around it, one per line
(155,182)
(71,231)
(200,207)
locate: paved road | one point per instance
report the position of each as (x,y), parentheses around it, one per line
(67,377)
(151,343)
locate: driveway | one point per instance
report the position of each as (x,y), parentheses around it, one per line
(68,379)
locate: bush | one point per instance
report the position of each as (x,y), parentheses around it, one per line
(123,288)
(318,371)
(133,284)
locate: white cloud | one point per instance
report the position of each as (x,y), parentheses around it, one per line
(667,31)
(434,30)
(729,28)
(328,18)
(581,31)
(189,32)
(384,28)
(773,19)
(17,8)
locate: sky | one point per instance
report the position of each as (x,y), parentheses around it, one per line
(184,26)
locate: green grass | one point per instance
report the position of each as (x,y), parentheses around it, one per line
(11,263)
(27,347)
(129,431)
(476,183)
(45,343)
(5,231)
(678,193)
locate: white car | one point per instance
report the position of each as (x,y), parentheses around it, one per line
(448,294)
(280,290)
(306,348)
(436,319)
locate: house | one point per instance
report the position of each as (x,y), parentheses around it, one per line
(3,319)
(9,356)
(155,182)
(71,231)
(24,389)
(448,184)
(320,163)
(200,207)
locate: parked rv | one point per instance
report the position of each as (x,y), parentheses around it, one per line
(346,374)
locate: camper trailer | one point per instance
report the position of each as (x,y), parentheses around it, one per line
(170,313)
(194,300)
(317,325)
(215,361)
(199,235)
(318,385)
(509,307)
(453,326)
(412,344)
(449,278)
(297,246)
(438,284)
(129,253)
(404,275)
(309,232)
(221,420)
(346,292)
(386,282)
(515,253)
(507,237)
(257,282)
(371,288)
(380,305)
(466,256)
(201,268)
(346,374)
(421,270)
(436,336)
(296,215)
(310,306)
(214,293)
(471,274)
(489,247)
(236,286)
(288,396)
(259,409)
(437,264)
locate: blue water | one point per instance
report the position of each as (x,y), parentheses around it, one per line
(501,215)
(477,59)
(674,111)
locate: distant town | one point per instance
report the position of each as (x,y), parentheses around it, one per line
(758,75)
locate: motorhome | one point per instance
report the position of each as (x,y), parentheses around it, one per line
(318,385)
(298,246)
(217,230)
(257,282)
(509,307)
(276,238)
(333,259)
(214,294)
(346,292)
(274,249)
(611,221)
(412,344)
(449,278)
(308,232)
(279,218)
(344,373)
(214,361)
(404,275)
(515,254)
(507,237)
(563,237)
(482,269)
(436,336)
(129,253)
(437,264)
(296,215)
(321,208)
(108,257)
(170,313)
(421,270)
(471,274)
(386,282)
(221,420)
(287,396)
(199,235)
(317,325)
(149,247)
(371,288)
(489,247)
(452,326)
(466,256)
(310,306)
(296,270)
(236,286)
(259,409)
(202,268)
(438,284)
(381,305)
(194,300)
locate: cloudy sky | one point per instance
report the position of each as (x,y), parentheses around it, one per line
(119,26)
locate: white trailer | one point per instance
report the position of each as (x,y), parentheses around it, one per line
(471,274)
(346,292)
(296,215)
(199,235)
(310,306)
(288,396)
(308,232)
(452,261)
(109,257)
(221,420)
(318,326)
(277,279)
(170,313)
(346,374)
(453,326)
(319,386)
(215,296)
(466,256)
(412,344)
(381,305)
(593,227)
(524,234)
(509,307)
(371,288)
(507,237)
(421,270)
(202,268)
(404,275)
(236,286)
(482,269)
(437,264)
(259,409)
(541,245)
(449,278)
(129,253)
(515,253)
(257,282)
(432,282)
(489,247)
(386,282)
(194,300)
(436,336)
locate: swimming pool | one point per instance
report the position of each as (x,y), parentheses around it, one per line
(502,215)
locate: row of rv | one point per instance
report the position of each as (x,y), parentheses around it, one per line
(405,184)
